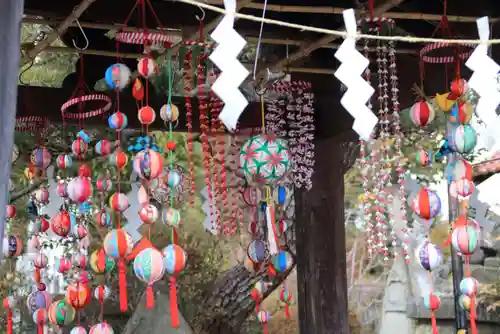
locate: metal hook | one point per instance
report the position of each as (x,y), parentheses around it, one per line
(202,14)
(84,36)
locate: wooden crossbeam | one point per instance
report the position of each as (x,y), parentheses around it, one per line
(305,50)
(338,11)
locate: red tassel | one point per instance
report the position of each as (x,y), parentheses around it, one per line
(473,327)
(40,328)
(174,311)
(122,282)
(287,311)
(265,328)
(9,322)
(434,324)
(150,297)
(176,237)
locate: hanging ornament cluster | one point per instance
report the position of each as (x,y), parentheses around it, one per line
(291,115)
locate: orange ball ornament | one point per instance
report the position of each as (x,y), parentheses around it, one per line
(147,115)
(78,295)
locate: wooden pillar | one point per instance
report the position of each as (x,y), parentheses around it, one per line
(10,22)
(321,249)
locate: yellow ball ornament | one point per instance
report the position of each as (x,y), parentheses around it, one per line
(443,102)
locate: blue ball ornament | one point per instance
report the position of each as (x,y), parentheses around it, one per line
(117,76)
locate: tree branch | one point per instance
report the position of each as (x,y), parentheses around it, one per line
(26,190)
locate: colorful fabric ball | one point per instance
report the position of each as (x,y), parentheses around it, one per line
(64,161)
(118,159)
(41,157)
(119,202)
(78,330)
(32,172)
(148,213)
(40,316)
(285,296)
(257,251)
(62,265)
(38,300)
(459,87)
(12,246)
(84,135)
(79,147)
(79,231)
(78,295)
(469,286)
(103,219)
(463,138)
(174,259)
(263,316)
(61,223)
(282,262)
(100,262)
(444,102)
(118,121)
(84,171)
(9,303)
(79,260)
(118,244)
(169,113)
(429,256)
(282,226)
(61,313)
(461,168)
(102,328)
(174,178)
(101,293)
(465,239)
(10,211)
(461,113)
(15,153)
(103,147)
(42,195)
(465,302)
(426,204)
(118,76)
(80,189)
(104,184)
(422,113)
(147,67)
(432,302)
(171,217)
(149,266)
(422,158)
(462,188)
(62,189)
(281,195)
(148,164)
(264,159)
(40,261)
(146,115)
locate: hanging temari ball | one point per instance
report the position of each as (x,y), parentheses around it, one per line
(117,76)
(61,223)
(264,159)
(61,313)
(432,302)
(78,295)
(38,299)
(148,213)
(282,261)
(465,302)
(102,328)
(80,189)
(118,159)
(169,113)
(100,262)
(174,259)
(12,246)
(460,169)
(78,330)
(118,244)
(469,286)
(149,268)
(41,158)
(459,87)
(463,138)
(146,115)
(426,204)
(118,202)
(118,121)
(79,147)
(64,161)
(147,67)
(171,217)
(148,164)
(103,147)
(422,113)
(465,239)
(257,251)
(429,256)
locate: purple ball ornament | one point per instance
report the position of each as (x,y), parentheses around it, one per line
(429,256)
(257,251)
(41,157)
(38,299)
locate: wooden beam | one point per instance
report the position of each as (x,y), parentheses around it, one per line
(59,31)
(305,50)
(338,11)
(11,12)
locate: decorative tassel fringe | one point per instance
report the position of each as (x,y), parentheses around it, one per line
(40,328)
(122,282)
(473,327)
(264,326)
(434,324)
(10,323)
(150,297)
(287,311)
(174,311)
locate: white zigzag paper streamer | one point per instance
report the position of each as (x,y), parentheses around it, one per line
(225,56)
(349,73)
(484,80)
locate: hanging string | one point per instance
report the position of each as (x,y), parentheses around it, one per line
(409,39)
(259,40)
(174,236)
